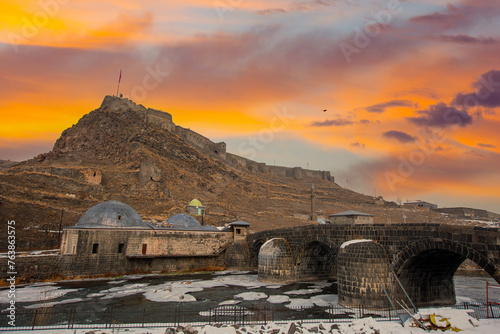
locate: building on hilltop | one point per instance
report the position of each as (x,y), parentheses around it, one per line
(421,204)
(112,238)
(351,217)
(465,213)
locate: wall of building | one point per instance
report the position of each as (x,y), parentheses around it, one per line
(32,267)
(158,242)
(351,220)
(101,264)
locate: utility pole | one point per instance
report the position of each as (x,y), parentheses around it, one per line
(60,227)
(313,209)
(118,88)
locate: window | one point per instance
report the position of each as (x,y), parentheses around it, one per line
(144,248)
(95,248)
(119,217)
(238,231)
(120,248)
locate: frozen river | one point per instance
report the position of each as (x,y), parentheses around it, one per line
(203,291)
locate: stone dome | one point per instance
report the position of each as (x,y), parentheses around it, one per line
(112,214)
(183,220)
(195,202)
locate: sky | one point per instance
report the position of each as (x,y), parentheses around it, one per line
(398,99)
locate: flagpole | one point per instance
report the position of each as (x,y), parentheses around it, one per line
(118,88)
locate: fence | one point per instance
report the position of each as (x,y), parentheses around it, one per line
(172,317)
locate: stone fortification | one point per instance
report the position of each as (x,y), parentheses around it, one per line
(205,145)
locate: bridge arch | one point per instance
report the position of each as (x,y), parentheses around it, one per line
(315,258)
(276,261)
(254,252)
(426,269)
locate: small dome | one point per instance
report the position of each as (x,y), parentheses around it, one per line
(111,214)
(195,202)
(183,220)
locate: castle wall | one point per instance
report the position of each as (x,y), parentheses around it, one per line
(164,120)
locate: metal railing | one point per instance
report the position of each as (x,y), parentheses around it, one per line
(46,318)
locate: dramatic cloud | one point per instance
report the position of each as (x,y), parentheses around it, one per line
(486,145)
(486,93)
(466,39)
(380,107)
(453,16)
(271,11)
(441,116)
(402,137)
(333,122)
(358,144)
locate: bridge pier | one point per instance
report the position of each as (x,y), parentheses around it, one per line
(360,266)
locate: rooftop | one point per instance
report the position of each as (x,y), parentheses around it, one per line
(351,213)
(111,214)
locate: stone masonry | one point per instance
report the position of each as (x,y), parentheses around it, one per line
(423,256)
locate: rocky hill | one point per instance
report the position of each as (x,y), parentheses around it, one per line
(113,152)
(4,164)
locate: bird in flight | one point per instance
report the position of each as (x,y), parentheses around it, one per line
(324,110)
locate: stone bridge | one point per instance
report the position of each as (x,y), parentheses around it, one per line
(423,257)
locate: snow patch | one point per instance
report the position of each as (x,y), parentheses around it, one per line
(351,242)
(229,302)
(278,299)
(302,292)
(36,293)
(251,295)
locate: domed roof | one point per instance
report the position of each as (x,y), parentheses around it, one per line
(183,220)
(111,214)
(195,202)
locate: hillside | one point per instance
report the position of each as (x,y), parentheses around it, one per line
(113,152)
(4,164)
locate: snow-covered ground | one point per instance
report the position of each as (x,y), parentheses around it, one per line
(457,319)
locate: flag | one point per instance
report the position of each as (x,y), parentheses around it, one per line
(120,79)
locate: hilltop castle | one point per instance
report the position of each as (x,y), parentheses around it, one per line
(216,150)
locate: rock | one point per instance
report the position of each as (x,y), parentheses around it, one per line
(314,329)
(292,328)
(190,330)
(179,329)
(170,331)
(149,172)
(322,327)
(274,331)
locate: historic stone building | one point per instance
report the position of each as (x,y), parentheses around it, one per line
(112,238)
(351,217)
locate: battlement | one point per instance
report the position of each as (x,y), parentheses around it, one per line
(205,145)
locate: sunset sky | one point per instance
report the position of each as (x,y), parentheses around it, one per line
(411,89)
